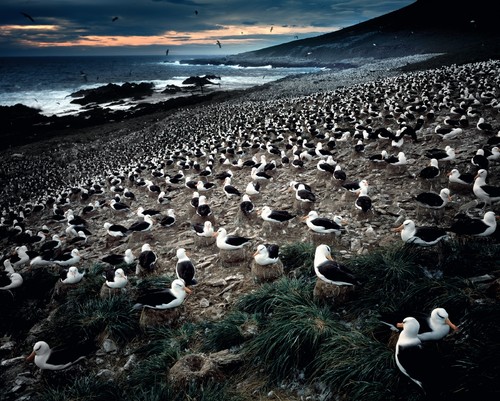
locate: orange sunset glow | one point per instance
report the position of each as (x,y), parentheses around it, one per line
(232,34)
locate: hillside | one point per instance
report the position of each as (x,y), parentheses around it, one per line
(458,34)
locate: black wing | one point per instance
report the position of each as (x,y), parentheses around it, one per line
(156,298)
(272,250)
(185,270)
(147,259)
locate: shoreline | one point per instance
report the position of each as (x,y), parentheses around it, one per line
(29,126)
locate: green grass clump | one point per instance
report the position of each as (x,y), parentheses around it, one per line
(163,349)
(163,392)
(386,275)
(471,258)
(152,370)
(298,258)
(151,283)
(356,366)
(232,331)
(452,293)
(85,388)
(291,339)
(110,315)
(270,296)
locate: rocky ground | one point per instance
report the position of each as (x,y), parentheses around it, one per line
(220,285)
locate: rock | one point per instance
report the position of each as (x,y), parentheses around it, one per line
(204,303)
(12,361)
(106,374)
(110,92)
(109,346)
(130,362)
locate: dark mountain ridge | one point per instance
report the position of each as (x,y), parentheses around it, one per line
(458,34)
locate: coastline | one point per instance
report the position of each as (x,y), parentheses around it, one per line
(26,126)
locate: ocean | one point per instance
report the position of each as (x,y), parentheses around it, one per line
(45,83)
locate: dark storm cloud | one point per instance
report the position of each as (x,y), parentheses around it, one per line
(71,21)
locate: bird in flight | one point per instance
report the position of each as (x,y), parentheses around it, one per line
(28,16)
(166,52)
(218,44)
(114,19)
(270,30)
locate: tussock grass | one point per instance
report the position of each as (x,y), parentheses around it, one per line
(356,366)
(156,392)
(298,259)
(152,371)
(386,275)
(111,316)
(162,338)
(291,339)
(86,388)
(232,331)
(163,349)
(454,294)
(462,258)
(284,292)
(476,352)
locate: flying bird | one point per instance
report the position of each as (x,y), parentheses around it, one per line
(28,16)
(218,44)
(114,19)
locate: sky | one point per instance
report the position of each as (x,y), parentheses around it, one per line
(183,27)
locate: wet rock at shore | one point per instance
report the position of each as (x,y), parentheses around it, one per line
(112,92)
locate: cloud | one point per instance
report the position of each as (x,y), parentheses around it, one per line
(88,23)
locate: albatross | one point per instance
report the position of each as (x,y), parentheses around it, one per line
(164,299)
(331,271)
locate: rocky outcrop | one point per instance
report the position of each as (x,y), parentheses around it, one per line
(113,92)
